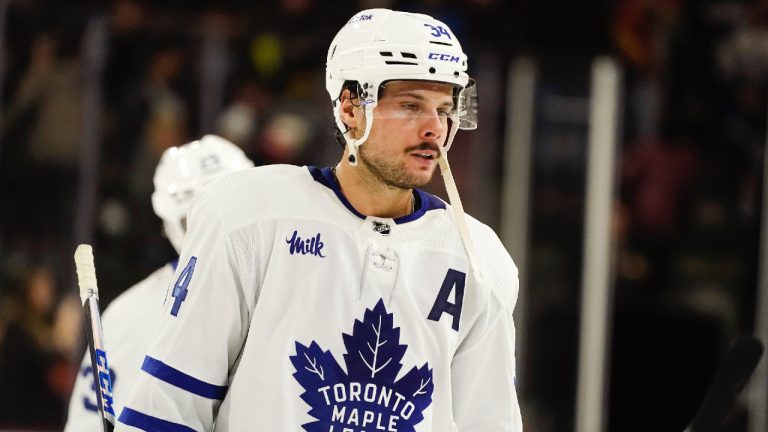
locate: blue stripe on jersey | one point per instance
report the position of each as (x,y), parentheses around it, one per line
(326,178)
(424,201)
(175,377)
(148,423)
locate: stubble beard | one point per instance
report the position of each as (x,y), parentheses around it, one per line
(390,174)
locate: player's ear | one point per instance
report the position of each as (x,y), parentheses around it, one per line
(349,112)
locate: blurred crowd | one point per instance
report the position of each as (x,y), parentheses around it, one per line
(252,72)
(686,220)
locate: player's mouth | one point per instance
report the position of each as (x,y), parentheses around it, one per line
(425,155)
(425,152)
(424,159)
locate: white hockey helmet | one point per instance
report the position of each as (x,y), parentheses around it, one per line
(184,169)
(380,45)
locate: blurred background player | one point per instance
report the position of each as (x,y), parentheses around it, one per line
(133,317)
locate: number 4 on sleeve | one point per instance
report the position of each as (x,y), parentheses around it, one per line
(180,288)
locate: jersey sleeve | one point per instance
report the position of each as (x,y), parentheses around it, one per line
(483,368)
(186,371)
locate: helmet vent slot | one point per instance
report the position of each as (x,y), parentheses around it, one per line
(441,43)
(385,53)
(408,55)
(394,62)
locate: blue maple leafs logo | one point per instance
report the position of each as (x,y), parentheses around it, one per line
(367,396)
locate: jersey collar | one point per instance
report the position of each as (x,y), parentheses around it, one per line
(424,201)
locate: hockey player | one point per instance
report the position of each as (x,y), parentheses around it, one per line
(344,299)
(132,318)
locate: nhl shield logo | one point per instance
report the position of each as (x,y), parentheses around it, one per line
(382,228)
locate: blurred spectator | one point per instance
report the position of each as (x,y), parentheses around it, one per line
(51,91)
(239,122)
(166,127)
(277,51)
(744,52)
(163,122)
(36,351)
(43,123)
(657,177)
(285,138)
(641,30)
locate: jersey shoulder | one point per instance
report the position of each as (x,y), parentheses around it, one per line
(147,293)
(496,265)
(262,179)
(249,195)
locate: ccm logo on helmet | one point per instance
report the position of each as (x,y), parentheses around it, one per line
(361,18)
(444,57)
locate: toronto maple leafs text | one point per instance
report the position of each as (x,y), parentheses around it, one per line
(342,395)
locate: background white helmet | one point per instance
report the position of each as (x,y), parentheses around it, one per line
(379,45)
(184,169)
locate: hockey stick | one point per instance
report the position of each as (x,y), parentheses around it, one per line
(730,379)
(89,294)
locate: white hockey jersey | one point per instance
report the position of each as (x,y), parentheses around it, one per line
(129,322)
(290,311)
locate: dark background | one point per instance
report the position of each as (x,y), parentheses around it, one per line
(686,217)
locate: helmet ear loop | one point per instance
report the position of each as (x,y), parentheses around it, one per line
(336,103)
(354,144)
(451,133)
(367,105)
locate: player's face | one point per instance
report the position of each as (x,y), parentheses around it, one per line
(410,125)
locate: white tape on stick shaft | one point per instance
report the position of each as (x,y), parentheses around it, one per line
(86,272)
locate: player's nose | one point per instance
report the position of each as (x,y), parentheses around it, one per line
(431,127)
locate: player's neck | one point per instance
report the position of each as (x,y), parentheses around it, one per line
(370,197)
